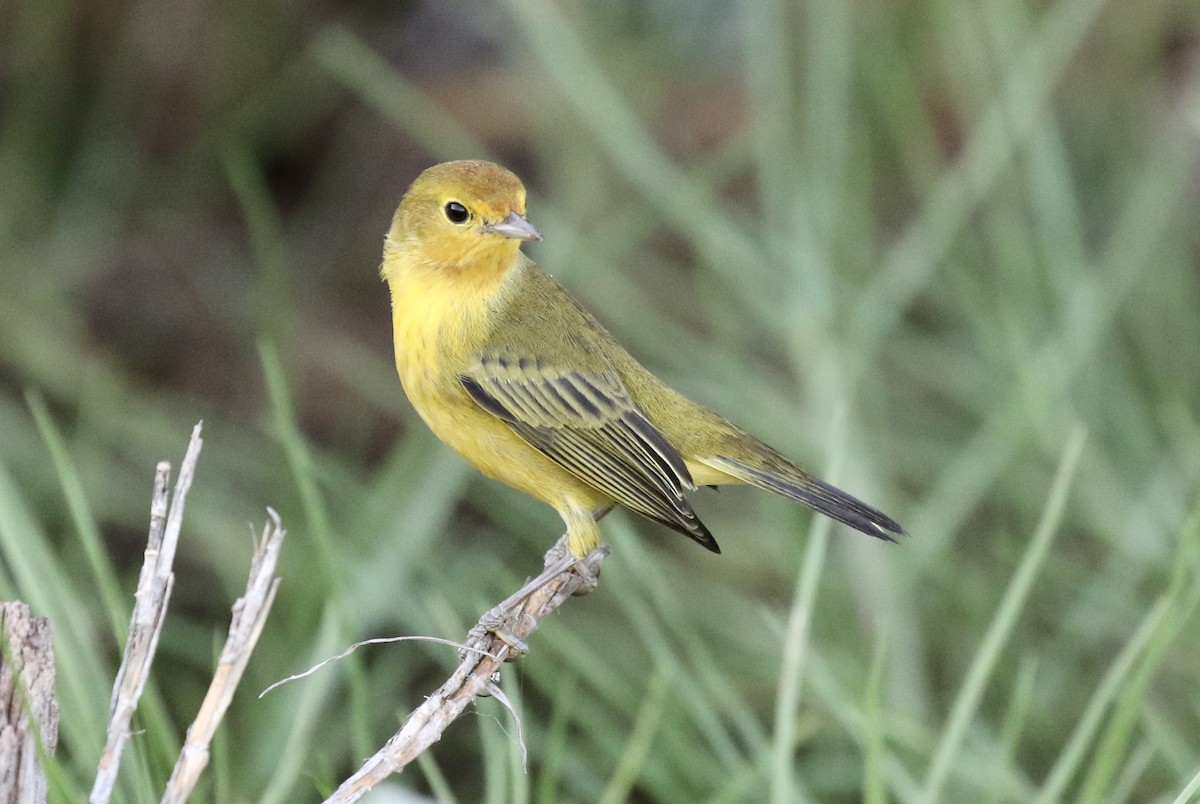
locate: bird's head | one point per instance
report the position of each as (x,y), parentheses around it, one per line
(459,216)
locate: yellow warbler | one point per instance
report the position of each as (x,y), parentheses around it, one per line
(515,376)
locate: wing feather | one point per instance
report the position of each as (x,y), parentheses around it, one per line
(588,424)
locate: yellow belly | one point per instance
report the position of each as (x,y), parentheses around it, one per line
(428,360)
(493,448)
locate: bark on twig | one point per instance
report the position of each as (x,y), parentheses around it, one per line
(28,708)
(149,611)
(249,615)
(498,637)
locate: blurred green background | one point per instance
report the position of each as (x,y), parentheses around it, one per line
(946,253)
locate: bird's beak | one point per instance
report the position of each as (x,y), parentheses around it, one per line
(516,227)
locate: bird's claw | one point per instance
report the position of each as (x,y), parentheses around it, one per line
(558,552)
(494,623)
(516,646)
(589,580)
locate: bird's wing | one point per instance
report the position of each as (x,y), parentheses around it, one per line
(587,423)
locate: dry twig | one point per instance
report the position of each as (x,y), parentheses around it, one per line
(249,615)
(497,637)
(149,610)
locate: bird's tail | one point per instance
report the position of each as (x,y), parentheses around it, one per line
(767,469)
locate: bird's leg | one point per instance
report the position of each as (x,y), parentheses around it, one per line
(590,579)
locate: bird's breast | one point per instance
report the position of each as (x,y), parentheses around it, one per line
(439,320)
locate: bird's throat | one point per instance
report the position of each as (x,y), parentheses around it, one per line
(440,312)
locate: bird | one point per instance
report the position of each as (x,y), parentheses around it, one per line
(514,375)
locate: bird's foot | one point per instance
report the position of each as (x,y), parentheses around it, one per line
(589,579)
(497,623)
(499,620)
(557,554)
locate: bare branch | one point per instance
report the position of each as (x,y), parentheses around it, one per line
(498,637)
(149,610)
(249,615)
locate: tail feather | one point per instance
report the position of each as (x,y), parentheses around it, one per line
(781,476)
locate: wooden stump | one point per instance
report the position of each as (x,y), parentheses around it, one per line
(26,699)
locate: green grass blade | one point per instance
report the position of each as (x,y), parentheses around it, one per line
(874,783)
(989,150)
(631,147)
(347,59)
(300,463)
(979,674)
(795,656)
(41,580)
(291,737)
(650,714)
(273,298)
(795,643)
(439,785)
(1181,598)
(1072,753)
(1189,791)
(1017,713)
(85,522)
(556,739)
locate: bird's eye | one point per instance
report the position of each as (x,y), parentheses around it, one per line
(456,212)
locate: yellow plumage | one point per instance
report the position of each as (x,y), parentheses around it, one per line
(510,372)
